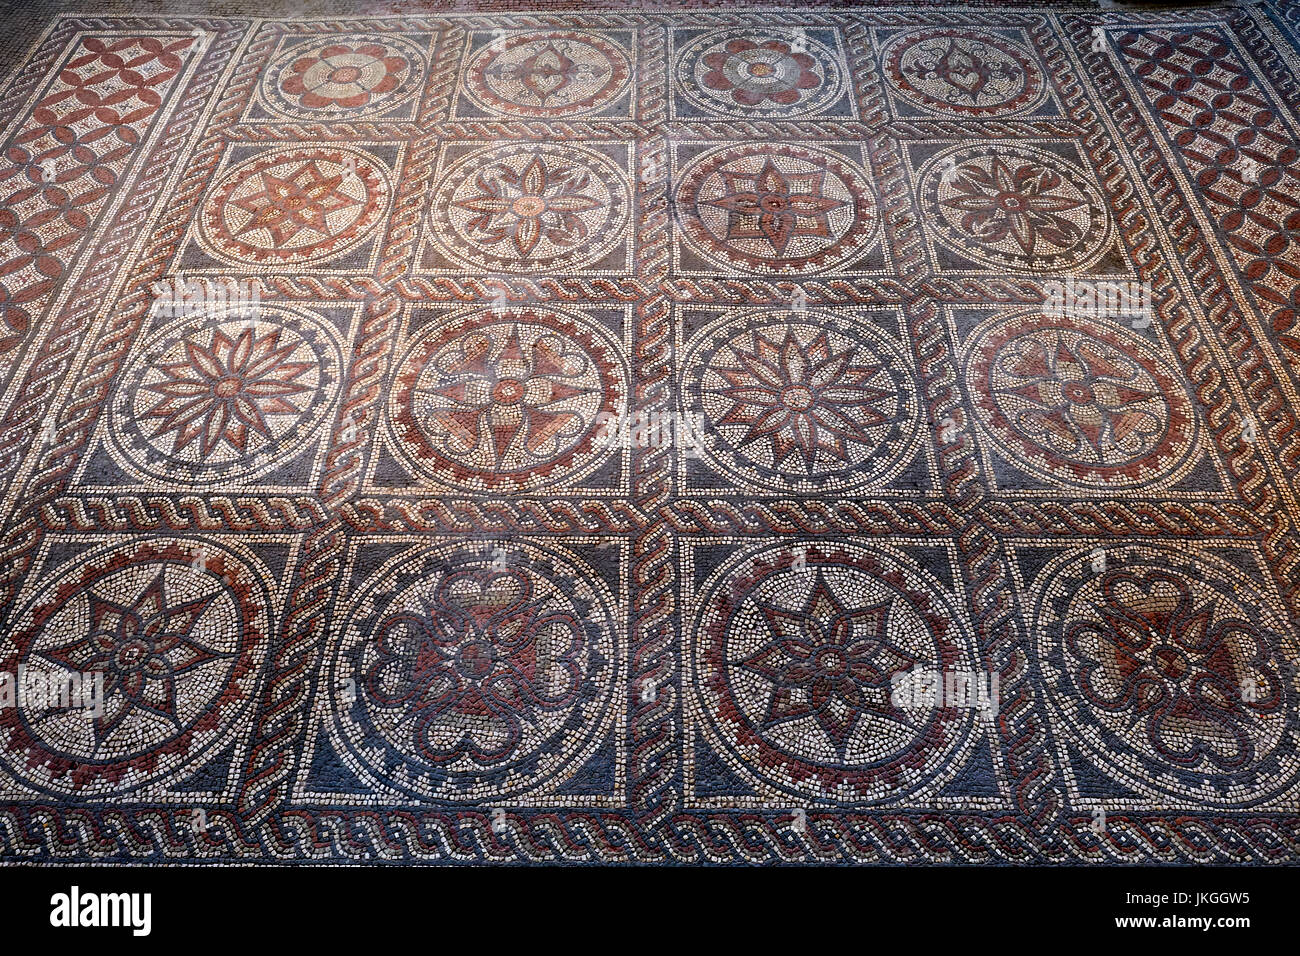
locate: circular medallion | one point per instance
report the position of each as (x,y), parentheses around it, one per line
(776,73)
(295,206)
(775,208)
(807,403)
(343,78)
(1078,401)
(221,396)
(1171,674)
(174,634)
(1014,207)
(547,74)
(477,675)
(960,72)
(531,208)
(513,399)
(795,652)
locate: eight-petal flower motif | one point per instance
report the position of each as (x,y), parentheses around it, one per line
(1023,201)
(227,389)
(344,76)
(752,73)
(522,207)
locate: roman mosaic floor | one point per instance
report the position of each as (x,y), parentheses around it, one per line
(635,434)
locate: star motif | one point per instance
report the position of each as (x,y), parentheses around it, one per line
(522,207)
(286,206)
(142,648)
(776,206)
(829,662)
